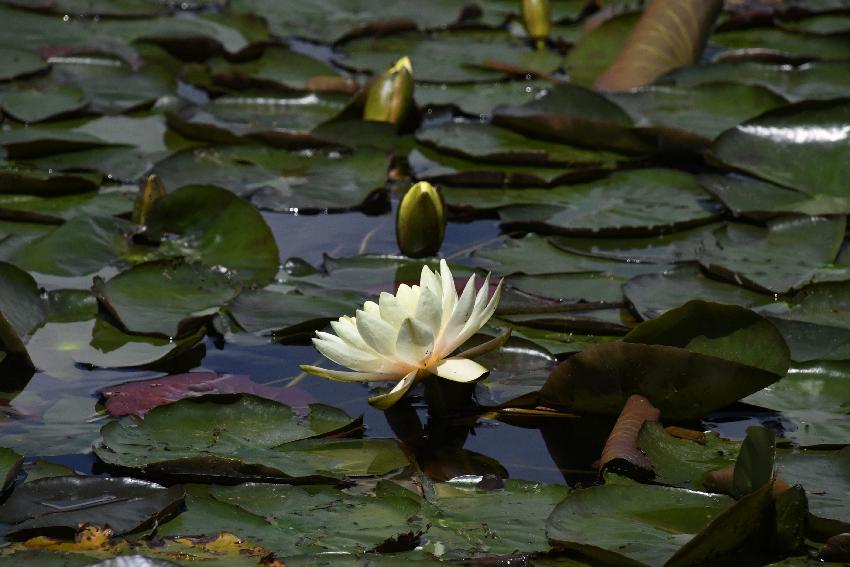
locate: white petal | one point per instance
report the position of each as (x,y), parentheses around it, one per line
(428,280)
(345,355)
(408,297)
(461,314)
(429,310)
(415,341)
(377,333)
(459,370)
(346,329)
(389,399)
(449,291)
(372,308)
(343,376)
(478,318)
(391,310)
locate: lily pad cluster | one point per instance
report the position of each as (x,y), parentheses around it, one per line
(674,259)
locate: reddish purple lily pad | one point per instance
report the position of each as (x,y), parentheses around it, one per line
(141,396)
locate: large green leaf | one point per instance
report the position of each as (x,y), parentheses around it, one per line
(62,504)
(597,48)
(35,106)
(814,397)
(749,197)
(802,146)
(626,523)
(21,305)
(517,369)
(688,362)
(450,58)
(233,438)
(17,62)
(10,465)
(809,81)
(826,477)
(483,142)
(478,100)
(784,256)
(217,227)
(781,44)
(165,298)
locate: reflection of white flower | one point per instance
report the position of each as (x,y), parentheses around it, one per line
(406,336)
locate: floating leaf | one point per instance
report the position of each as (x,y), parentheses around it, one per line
(688,362)
(19,62)
(36,106)
(517,369)
(598,47)
(216,227)
(621,453)
(163,298)
(23,178)
(824,476)
(755,465)
(238,438)
(784,256)
(61,504)
(633,524)
(10,465)
(780,44)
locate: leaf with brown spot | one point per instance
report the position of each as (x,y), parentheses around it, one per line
(621,453)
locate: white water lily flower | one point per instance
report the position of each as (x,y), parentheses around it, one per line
(404,337)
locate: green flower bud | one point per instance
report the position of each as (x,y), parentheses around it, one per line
(152,191)
(537,20)
(421,221)
(390,97)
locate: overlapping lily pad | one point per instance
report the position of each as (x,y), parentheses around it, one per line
(228,439)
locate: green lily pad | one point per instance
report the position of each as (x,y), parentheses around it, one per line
(216,227)
(23,178)
(102,203)
(483,142)
(280,68)
(279,180)
(163,298)
(688,362)
(823,24)
(37,141)
(19,62)
(517,369)
(782,43)
(36,106)
(46,469)
(59,348)
(801,146)
(478,99)
(556,343)
(427,164)
(814,397)
(824,475)
(468,521)
(287,315)
(574,115)
(81,246)
(702,111)
(102,8)
(458,57)
(572,288)
(227,438)
(21,305)
(749,197)
(784,256)
(633,203)
(653,294)
(61,504)
(809,81)
(10,464)
(632,524)
(295,519)
(681,462)
(667,248)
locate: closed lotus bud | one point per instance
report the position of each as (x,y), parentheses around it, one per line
(390,97)
(535,16)
(421,221)
(149,194)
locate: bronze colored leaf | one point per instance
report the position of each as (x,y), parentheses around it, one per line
(621,453)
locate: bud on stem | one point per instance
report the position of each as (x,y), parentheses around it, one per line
(421,221)
(149,194)
(537,19)
(390,97)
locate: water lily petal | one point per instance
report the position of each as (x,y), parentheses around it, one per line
(408,297)
(343,376)
(346,329)
(391,310)
(389,399)
(428,280)
(461,314)
(372,308)
(449,291)
(486,347)
(415,341)
(459,370)
(479,315)
(377,333)
(429,310)
(346,355)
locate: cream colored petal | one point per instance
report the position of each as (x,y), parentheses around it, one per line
(391,310)
(415,341)
(449,291)
(342,376)
(460,315)
(429,280)
(347,356)
(459,370)
(389,399)
(377,333)
(429,310)
(346,329)
(372,308)
(486,347)
(408,298)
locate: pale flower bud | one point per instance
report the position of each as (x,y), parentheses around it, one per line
(390,97)
(537,19)
(421,221)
